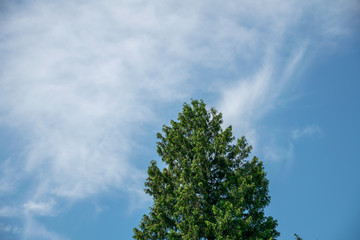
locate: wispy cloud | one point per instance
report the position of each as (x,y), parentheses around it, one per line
(79,79)
(9,177)
(35,230)
(292,32)
(307,131)
(7,211)
(247,100)
(274,152)
(39,208)
(9,229)
(282,152)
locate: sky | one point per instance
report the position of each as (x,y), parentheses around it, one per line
(86,85)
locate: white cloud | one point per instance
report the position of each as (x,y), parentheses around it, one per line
(276,151)
(241,103)
(249,99)
(40,208)
(8,211)
(7,228)
(273,152)
(307,131)
(80,79)
(290,30)
(35,230)
(9,176)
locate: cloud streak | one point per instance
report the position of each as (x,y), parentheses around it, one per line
(307,131)
(292,32)
(249,99)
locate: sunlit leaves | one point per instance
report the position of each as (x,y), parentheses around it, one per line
(208,189)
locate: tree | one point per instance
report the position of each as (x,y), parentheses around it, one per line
(208,190)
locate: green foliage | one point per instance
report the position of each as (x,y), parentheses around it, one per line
(297,237)
(208,189)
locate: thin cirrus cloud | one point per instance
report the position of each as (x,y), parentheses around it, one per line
(307,131)
(78,79)
(249,99)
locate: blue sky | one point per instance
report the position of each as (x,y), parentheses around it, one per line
(86,85)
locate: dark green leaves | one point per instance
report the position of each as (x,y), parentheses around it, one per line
(208,189)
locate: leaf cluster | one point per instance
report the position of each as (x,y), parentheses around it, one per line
(208,190)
